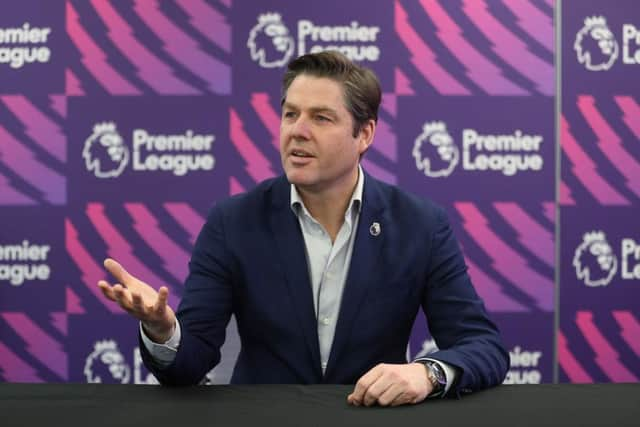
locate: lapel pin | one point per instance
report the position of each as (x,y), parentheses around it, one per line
(375,229)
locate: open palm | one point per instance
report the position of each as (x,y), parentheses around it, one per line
(141,301)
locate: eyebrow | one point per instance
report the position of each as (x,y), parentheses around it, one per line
(317,109)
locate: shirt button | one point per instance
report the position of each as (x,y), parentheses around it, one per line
(325,321)
(324,366)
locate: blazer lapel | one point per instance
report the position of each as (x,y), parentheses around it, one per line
(362,266)
(291,250)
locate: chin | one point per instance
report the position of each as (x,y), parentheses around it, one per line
(300,179)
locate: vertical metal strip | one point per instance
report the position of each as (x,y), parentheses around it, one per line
(558,112)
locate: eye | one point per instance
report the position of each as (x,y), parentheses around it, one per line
(288,114)
(322,118)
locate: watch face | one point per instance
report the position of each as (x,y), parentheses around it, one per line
(437,374)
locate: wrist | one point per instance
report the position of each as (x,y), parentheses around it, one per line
(159,335)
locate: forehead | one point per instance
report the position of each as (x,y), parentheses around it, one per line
(309,91)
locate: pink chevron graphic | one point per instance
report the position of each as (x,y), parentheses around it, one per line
(506,261)
(423,58)
(15,370)
(389,103)
(630,329)
(565,195)
(569,364)
(479,69)
(208,21)
(551,2)
(40,128)
(533,21)
(72,86)
(23,162)
(119,249)
(402,83)
(610,143)
(386,142)
(585,169)
(531,234)
(175,259)
(510,48)
(11,196)
(549,209)
(73,304)
(606,356)
(39,344)
(379,172)
(150,68)
(235,187)
(258,167)
(59,104)
(261,104)
(60,321)
(184,49)
(631,112)
(94,59)
(186,217)
(91,271)
(491,291)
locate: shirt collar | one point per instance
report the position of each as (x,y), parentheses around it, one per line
(355,203)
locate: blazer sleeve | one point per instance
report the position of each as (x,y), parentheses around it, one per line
(205,308)
(457,319)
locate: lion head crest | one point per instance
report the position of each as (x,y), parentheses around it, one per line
(595,45)
(434,151)
(594,260)
(104,151)
(106,364)
(270,43)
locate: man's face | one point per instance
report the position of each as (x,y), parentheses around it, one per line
(317,146)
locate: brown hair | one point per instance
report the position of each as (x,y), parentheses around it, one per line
(361,86)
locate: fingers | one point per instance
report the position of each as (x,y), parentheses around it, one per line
(117,271)
(161,302)
(390,385)
(123,297)
(136,302)
(367,380)
(393,396)
(106,290)
(137,298)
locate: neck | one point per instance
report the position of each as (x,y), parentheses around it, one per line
(328,206)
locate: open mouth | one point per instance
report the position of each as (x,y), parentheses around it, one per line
(298,153)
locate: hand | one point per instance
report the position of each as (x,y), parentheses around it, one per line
(141,301)
(392,385)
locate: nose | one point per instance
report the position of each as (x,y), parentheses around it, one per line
(300,129)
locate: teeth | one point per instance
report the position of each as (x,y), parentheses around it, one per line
(299,154)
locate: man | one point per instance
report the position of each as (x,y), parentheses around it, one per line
(324,268)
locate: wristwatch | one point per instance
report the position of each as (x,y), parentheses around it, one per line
(436,377)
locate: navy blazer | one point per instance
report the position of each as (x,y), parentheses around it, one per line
(249,260)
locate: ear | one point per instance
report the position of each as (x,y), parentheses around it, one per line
(365,137)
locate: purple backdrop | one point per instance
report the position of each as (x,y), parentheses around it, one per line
(122,123)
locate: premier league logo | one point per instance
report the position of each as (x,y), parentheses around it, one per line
(594,260)
(106,364)
(270,43)
(104,151)
(434,151)
(595,45)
